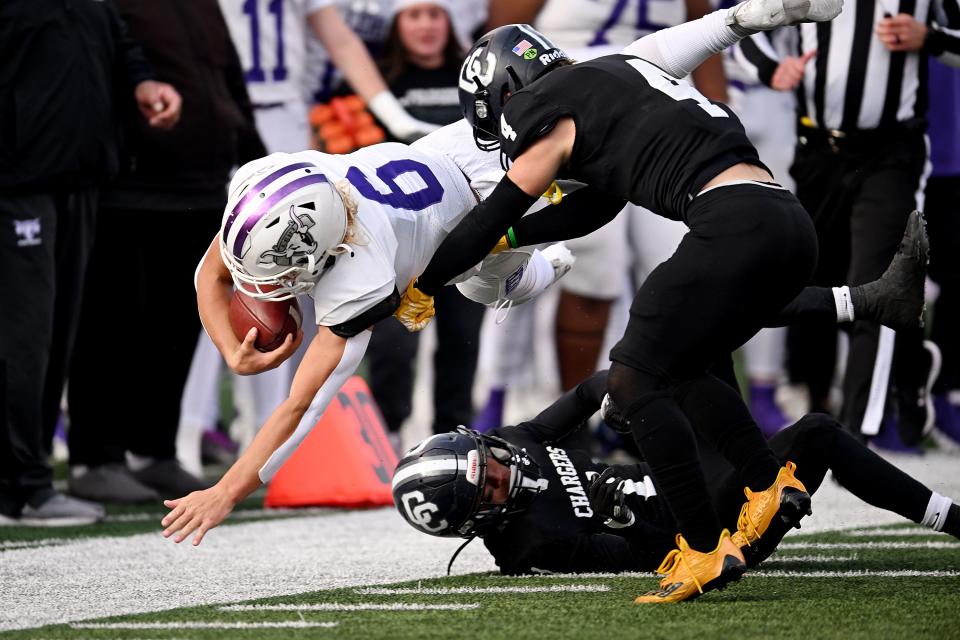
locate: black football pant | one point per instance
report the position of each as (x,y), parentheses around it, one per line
(749,251)
(942,210)
(140,326)
(45,241)
(859,194)
(393,350)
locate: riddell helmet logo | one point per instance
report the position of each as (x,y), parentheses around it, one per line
(473,467)
(552,56)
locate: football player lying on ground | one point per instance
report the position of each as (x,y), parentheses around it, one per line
(623,124)
(540,507)
(364,240)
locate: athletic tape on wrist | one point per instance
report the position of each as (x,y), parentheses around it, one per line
(845,310)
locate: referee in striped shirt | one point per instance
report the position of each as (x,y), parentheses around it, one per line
(860,167)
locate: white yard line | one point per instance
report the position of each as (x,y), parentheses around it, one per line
(779,559)
(443,591)
(854,574)
(136,626)
(360,606)
(793,546)
(24,544)
(891,533)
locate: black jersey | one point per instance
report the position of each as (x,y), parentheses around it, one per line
(559,531)
(641,135)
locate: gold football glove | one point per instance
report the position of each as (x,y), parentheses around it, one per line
(416,308)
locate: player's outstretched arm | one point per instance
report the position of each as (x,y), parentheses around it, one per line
(329,361)
(214,288)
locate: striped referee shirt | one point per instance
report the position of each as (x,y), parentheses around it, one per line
(854,82)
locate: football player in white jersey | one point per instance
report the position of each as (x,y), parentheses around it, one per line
(350,231)
(271,39)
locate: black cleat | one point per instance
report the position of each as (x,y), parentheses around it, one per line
(896,299)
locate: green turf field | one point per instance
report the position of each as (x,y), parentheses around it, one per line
(889,582)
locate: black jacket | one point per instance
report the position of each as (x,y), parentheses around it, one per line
(61,63)
(188,44)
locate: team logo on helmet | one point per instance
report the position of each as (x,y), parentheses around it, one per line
(295,241)
(420,512)
(477,66)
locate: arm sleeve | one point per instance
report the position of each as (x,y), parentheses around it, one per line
(681,49)
(757,57)
(578,214)
(943,39)
(475,236)
(352,353)
(569,412)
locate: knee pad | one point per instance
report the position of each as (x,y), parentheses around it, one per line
(631,389)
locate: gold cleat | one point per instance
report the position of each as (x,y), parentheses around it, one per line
(688,573)
(767,515)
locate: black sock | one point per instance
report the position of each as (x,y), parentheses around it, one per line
(668,445)
(718,414)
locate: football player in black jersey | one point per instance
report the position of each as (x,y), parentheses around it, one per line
(542,507)
(624,125)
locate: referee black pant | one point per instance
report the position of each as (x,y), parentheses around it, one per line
(859,191)
(45,241)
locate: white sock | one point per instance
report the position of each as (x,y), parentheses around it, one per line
(841,296)
(937,509)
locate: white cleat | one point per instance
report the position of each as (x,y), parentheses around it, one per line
(764,15)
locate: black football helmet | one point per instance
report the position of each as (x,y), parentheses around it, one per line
(438,485)
(501,63)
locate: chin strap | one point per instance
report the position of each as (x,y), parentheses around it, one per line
(457,553)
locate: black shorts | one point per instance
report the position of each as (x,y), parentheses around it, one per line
(750,250)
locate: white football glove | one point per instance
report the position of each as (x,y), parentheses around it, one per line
(764,15)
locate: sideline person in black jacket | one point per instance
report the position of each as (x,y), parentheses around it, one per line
(64,65)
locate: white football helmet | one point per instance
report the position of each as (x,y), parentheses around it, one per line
(284,225)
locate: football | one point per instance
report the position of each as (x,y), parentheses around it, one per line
(273,319)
